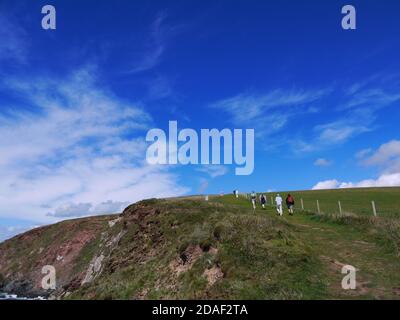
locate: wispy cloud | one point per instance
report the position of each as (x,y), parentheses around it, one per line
(213,170)
(340,131)
(79,145)
(355,115)
(160,87)
(321,162)
(159,34)
(363,153)
(373,98)
(14,40)
(386,157)
(269,112)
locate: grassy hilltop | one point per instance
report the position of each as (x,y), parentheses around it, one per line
(220,249)
(357,201)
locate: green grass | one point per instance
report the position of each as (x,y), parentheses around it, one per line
(371,244)
(261,255)
(357,201)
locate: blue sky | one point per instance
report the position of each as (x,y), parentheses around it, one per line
(76,102)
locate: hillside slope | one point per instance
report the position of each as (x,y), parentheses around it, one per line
(193,249)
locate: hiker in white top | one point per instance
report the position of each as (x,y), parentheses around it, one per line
(253,199)
(278,201)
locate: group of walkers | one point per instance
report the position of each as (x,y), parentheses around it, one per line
(278,202)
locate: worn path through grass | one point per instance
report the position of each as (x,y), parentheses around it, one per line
(339,244)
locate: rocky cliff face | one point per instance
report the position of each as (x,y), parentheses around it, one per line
(78,249)
(66,246)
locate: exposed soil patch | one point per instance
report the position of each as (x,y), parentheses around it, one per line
(186,259)
(142,294)
(213,275)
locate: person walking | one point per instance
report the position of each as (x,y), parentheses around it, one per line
(253,200)
(263,201)
(278,201)
(290,203)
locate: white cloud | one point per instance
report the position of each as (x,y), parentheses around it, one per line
(339,134)
(327,184)
(387,157)
(80,146)
(385,180)
(110,207)
(72,210)
(87,209)
(321,162)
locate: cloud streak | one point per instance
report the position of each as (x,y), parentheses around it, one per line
(13,44)
(160,34)
(321,162)
(270,112)
(214,170)
(77,147)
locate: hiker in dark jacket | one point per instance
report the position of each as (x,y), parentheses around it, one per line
(290,203)
(263,201)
